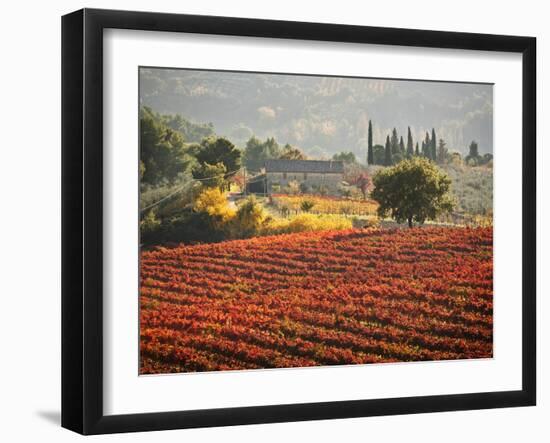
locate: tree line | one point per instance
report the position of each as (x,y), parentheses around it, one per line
(395,150)
(256,152)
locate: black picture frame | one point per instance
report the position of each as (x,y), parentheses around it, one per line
(82,218)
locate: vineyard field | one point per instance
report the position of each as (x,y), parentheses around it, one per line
(325,204)
(344,297)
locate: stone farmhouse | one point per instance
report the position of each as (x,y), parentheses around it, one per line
(312,174)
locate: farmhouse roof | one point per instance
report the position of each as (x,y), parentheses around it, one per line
(323,166)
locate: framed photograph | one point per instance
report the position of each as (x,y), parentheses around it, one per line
(269,221)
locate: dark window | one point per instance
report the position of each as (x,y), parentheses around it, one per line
(305,175)
(284,175)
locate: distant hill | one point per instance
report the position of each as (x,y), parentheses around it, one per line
(322,115)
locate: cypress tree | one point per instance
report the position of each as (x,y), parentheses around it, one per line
(394,142)
(410,150)
(473,156)
(427,147)
(370,152)
(387,152)
(434,146)
(401,145)
(474,150)
(416,151)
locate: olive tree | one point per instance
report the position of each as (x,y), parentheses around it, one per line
(413,190)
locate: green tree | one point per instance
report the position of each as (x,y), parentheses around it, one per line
(163,156)
(210,175)
(486,159)
(291,153)
(397,153)
(394,142)
(426,147)
(410,148)
(442,151)
(192,132)
(254,155)
(412,191)
(346,157)
(473,156)
(378,153)
(400,154)
(214,150)
(388,153)
(271,147)
(257,152)
(370,151)
(416,150)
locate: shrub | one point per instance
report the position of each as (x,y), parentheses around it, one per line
(307,205)
(192,227)
(248,220)
(213,203)
(149,226)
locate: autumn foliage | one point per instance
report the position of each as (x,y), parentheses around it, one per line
(325,204)
(318,298)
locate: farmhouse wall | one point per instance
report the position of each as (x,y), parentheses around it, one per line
(316,179)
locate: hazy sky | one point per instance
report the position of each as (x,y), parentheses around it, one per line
(325,114)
